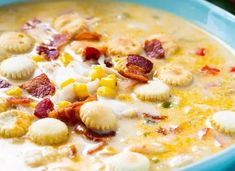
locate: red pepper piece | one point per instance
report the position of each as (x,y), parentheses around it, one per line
(210,70)
(201,52)
(232,69)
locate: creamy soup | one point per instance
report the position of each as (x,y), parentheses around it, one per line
(101,85)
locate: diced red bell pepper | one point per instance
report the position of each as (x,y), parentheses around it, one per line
(210,70)
(232,69)
(201,52)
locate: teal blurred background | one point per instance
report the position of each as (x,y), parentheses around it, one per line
(228,5)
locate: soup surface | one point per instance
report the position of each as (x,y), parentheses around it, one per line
(101,85)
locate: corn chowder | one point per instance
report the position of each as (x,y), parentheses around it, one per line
(87,85)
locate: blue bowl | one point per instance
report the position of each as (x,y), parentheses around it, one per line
(217,22)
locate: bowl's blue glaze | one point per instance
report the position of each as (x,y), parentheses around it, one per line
(219,23)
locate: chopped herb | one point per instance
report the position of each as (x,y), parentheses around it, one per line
(123,16)
(146,134)
(166,104)
(155,160)
(156,17)
(148,121)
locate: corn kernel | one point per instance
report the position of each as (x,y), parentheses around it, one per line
(81,90)
(33,104)
(38,58)
(113,76)
(3,105)
(109,82)
(66,58)
(64,104)
(106,91)
(116,59)
(124,97)
(109,151)
(16,91)
(97,72)
(67,82)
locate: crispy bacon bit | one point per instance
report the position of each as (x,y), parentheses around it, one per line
(24,101)
(203,133)
(232,69)
(68,114)
(43,108)
(209,70)
(103,50)
(4,84)
(91,53)
(134,72)
(201,52)
(39,86)
(140,78)
(60,40)
(90,36)
(91,135)
(169,130)
(99,147)
(31,24)
(162,131)
(108,62)
(73,149)
(48,52)
(153,49)
(135,69)
(141,62)
(154,117)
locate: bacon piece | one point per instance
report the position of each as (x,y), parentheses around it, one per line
(51,51)
(169,130)
(153,49)
(39,86)
(134,72)
(162,131)
(68,114)
(99,147)
(90,36)
(103,50)
(91,135)
(60,40)
(91,53)
(210,70)
(201,52)
(4,84)
(141,62)
(43,108)
(24,101)
(48,52)
(140,78)
(73,149)
(154,117)
(31,24)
